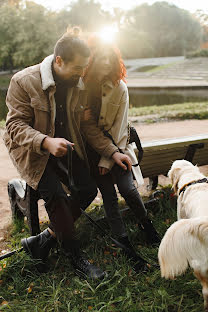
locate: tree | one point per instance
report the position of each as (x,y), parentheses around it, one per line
(169,30)
(8,27)
(36,36)
(84,13)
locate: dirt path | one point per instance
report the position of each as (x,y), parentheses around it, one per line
(147,133)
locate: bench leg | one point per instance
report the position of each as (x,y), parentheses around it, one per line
(25,207)
(153,182)
(32,211)
(16,212)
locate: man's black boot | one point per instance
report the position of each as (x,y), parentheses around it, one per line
(140,264)
(151,233)
(39,246)
(82,266)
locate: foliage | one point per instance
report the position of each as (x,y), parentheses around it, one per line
(175,111)
(199,53)
(28,31)
(164,25)
(92,19)
(23,289)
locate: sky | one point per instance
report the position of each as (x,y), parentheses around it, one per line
(190,5)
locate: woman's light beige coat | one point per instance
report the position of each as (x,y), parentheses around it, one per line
(114,118)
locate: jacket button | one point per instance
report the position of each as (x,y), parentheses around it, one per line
(104,94)
(101,117)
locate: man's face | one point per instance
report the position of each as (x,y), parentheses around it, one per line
(71,72)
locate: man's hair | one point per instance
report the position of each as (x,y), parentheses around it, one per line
(71,44)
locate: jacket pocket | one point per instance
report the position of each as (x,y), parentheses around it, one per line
(111,113)
(41,120)
(40,104)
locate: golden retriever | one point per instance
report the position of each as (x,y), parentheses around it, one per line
(186,241)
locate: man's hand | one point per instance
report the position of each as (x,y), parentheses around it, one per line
(103,171)
(56,146)
(122,160)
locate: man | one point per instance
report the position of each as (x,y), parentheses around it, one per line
(45,103)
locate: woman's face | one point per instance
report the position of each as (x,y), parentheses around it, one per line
(103,64)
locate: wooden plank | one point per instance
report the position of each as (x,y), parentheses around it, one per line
(159,155)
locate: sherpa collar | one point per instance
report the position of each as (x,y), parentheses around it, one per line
(47,75)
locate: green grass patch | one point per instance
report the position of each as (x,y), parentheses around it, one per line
(23,289)
(2,123)
(5,80)
(173,111)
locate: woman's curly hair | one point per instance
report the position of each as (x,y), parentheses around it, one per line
(97,48)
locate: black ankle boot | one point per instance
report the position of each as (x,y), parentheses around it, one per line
(82,266)
(139,263)
(151,233)
(38,247)
(85,269)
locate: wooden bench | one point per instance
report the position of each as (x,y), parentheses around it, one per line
(158,157)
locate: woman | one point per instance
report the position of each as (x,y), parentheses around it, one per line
(108,106)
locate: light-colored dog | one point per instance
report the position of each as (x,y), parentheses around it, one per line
(186,241)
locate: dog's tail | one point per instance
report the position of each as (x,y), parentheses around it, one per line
(185,243)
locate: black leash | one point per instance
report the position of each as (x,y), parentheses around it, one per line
(11,253)
(74,191)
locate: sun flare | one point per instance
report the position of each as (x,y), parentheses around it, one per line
(108,33)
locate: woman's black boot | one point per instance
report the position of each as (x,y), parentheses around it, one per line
(151,233)
(82,266)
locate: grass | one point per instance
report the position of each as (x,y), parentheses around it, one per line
(23,289)
(2,123)
(4,80)
(175,111)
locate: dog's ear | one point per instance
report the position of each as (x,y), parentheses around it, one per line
(174,176)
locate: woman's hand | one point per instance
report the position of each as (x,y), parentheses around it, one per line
(103,171)
(122,160)
(87,114)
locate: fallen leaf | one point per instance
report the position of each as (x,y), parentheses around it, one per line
(130,272)
(90,307)
(30,288)
(1,282)
(106,252)
(91,261)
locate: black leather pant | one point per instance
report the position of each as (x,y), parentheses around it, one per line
(127,189)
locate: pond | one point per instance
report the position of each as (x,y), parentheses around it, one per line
(141,97)
(149,97)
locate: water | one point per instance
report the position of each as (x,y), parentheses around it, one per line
(139,98)
(147,97)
